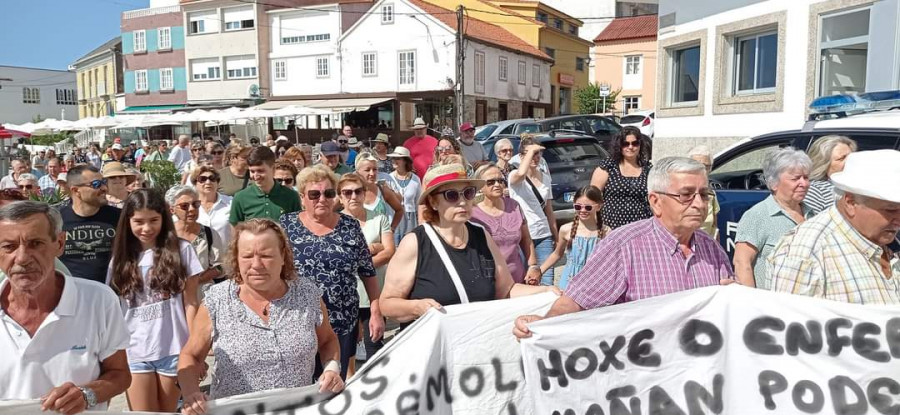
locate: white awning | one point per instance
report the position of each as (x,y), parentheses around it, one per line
(333,105)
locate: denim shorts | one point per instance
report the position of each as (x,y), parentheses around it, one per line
(167,366)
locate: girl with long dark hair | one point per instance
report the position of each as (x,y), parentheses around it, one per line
(577,238)
(154,274)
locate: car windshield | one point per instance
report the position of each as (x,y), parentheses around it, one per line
(565,151)
(484,131)
(632,119)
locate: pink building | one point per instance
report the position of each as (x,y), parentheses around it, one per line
(625,57)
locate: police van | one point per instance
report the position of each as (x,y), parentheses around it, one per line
(871,119)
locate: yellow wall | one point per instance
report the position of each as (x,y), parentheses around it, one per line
(566,52)
(610,58)
(86,80)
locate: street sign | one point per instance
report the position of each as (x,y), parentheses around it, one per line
(604,90)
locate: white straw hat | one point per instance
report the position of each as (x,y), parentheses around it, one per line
(871,173)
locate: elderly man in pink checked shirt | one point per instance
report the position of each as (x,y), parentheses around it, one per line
(661,255)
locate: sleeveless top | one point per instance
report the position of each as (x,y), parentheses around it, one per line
(625,197)
(506,230)
(582,247)
(474,264)
(252,356)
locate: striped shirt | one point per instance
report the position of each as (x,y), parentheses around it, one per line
(825,257)
(820,196)
(642,260)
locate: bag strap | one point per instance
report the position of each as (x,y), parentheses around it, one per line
(534,189)
(246,180)
(209,242)
(439,247)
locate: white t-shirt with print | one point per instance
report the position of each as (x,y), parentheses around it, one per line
(158,326)
(538,225)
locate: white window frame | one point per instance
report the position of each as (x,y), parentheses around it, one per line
(140,86)
(411,73)
(369,64)
(245,72)
(323,71)
(387,13)
(296,40)
(479,73)
(637,103)
(167,45)
(633,64)
(735,71)
(279,70)
(821,45)
(535,75)
(522,73)
(503,69)
(208,19)
(204,76)
(240,22)
(166,79)
(140,47)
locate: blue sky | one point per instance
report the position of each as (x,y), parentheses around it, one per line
(52,34)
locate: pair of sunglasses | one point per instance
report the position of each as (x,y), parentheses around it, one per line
(185,206)
(217,153)
(316,194)
(453,195)
(491,182)
(94,184)
(204,179)
(287,181)
(350,192)
(626,144)
(26,186)
(579,207)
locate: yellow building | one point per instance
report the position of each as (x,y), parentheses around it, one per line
(544,27)
(98,79)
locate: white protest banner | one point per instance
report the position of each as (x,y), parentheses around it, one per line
(717,350)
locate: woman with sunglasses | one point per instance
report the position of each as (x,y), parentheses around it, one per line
(448,152)
(504,151)
(217,151)
(197,150)
(531,187)
(376,227)
(330,248)
(28,185)
(118,180)
(184,203)
(623,178)
(215,207)
(285,173)
(577,238)
(503,220)
(418,278)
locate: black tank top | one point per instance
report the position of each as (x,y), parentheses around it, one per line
(474,264)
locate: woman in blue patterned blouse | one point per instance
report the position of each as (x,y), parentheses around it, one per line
(330,248)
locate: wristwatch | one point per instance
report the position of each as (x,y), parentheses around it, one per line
(90,398)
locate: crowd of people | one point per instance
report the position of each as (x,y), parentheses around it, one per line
(289,265)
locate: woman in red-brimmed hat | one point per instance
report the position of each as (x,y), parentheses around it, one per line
(447,260)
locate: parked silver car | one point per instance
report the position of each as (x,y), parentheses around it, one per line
(513,127)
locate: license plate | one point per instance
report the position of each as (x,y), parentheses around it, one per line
(569,197)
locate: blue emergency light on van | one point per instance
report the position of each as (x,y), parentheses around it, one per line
(845,104)
(834,104)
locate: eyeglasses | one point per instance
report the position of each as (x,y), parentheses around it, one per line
(452,195)
(626,144)
(491,182)
(94,184)
(26,186)
(196,149)
(185,206)
(343,141)
(579,207)
(505,150)
(359,191)
(204,179)
(218,153)
(443,148)
(316,194)
(287,181)
(687,198)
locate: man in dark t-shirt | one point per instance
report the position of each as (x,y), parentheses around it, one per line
(89,224)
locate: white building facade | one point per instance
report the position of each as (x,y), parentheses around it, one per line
(303,51)
(741,68)
(30,93)
(221,52)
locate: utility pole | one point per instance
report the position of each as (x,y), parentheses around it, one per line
(460,68)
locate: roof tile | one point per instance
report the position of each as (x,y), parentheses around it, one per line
(630,28)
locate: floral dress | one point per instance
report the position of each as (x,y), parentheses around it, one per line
(334,261)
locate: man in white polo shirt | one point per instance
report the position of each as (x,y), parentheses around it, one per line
(62,339)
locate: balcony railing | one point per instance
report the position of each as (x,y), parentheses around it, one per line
(131,14)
